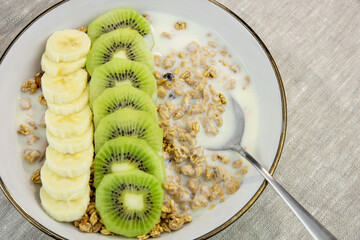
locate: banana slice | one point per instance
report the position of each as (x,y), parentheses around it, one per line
(73,107)
(65,211)
(67,126)
(63,188)
(71,145)
(67,45)
(61,68)
(69,165)
(64,89)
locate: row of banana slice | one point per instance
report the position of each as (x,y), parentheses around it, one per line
(65,174)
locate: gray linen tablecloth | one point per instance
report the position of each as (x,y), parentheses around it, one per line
(316,45)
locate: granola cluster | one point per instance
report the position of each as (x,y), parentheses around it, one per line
(35,178)
(170,220)
(91,222)
(179,25)
(32,85)
(31,155)
(199,102)
(83,29)
(42,100)
(24,130)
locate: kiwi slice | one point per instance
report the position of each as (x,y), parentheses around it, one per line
(118,18)
(132,123)
(120,43)
(129,202)
(113,99)
(126,153)
(121,72)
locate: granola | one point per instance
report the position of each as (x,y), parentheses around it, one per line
(42,100)
(37,78)
(190,105)
(179,25)
(31,155)
(35,178)
(24,130)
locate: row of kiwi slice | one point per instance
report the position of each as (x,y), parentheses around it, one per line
(128,169)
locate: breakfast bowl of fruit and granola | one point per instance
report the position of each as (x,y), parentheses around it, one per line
(112,110)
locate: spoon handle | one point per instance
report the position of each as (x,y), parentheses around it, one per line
(315,228)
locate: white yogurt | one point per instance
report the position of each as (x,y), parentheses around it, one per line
(34,114)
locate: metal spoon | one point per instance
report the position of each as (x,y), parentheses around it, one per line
(315,228)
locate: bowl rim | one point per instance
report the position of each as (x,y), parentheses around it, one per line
(262,186)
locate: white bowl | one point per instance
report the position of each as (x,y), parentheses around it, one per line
(21,60)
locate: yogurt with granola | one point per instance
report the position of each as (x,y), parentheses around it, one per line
(197,74)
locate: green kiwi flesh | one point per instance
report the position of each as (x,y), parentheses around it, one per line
(126,96)
(129,202)
(132,123)
(126,153)
(118,18)
(120,43)
(122,72)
